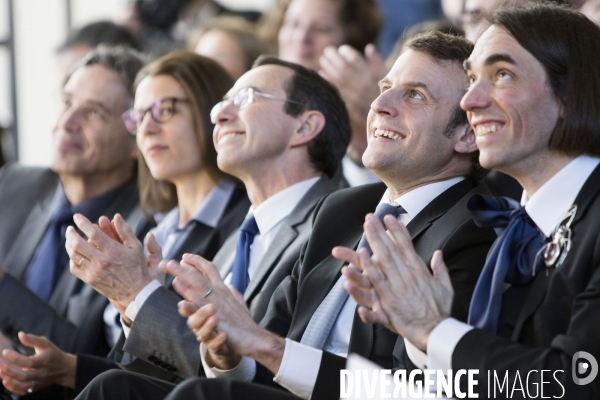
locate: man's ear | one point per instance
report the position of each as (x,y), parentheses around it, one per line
(312,123)
(465,142)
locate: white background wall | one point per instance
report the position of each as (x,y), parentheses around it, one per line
(40,27)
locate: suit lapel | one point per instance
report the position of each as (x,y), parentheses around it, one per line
(318,283)
(286,235)
(196,242)
(29,237)
(224,258)
(536,295)
(201,236)
(438,207)
(362,335)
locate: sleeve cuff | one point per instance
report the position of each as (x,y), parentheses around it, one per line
(416,356)
(442,342)
(244,371)
(134,307)
(299,368)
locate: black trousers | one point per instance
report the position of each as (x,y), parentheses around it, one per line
(225,389)
(124,385)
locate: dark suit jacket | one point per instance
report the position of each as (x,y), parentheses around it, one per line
(545,322)
(73,318)
(161,336)
(444,224)
(202,240)
(25,198)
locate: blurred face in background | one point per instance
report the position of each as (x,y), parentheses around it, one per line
(308,27)
(224,49)
(474,20)
(591,9)
(89,137)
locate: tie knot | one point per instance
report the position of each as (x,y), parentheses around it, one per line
(250,226)
(63,215)
(497,212)
(384,209)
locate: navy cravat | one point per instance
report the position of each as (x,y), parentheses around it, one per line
(513,257)
(322,321)
(241,263)
(51,257)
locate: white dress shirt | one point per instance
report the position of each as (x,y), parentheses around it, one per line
(169,234)
(269,217)
(300,363)
(548,205)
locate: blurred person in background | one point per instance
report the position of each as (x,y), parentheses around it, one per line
(93,172)
(331,36)
(401,15)
(196,13)
(591,9)
(475,15)
(162,26)
(231,41)
(81,41)
(178,174)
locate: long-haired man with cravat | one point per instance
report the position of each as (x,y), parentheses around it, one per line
(421,146)
(534,321)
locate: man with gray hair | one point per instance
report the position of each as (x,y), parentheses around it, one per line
(93,172)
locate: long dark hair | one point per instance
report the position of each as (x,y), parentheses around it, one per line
(205,83)
(567,44)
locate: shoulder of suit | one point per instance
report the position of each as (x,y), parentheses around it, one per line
(18,176)
(369,193)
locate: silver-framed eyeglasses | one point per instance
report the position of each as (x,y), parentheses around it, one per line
(160,111)
(242,98)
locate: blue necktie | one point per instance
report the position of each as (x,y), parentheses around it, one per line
(321,323)
(241,263)
(511,258)
(51,257)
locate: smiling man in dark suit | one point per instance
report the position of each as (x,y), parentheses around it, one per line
(421,146)
(92,172)
(533,102)
(282,130)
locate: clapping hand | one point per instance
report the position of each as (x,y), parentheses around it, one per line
(399,290)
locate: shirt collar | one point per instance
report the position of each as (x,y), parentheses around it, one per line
(417,199)
(92,208)
(213,207)
(208,213)
(280,205)
(554,198)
